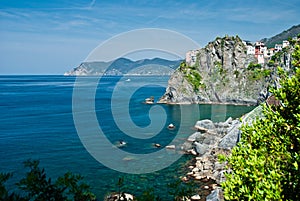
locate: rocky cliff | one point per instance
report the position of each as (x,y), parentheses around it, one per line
(222,73)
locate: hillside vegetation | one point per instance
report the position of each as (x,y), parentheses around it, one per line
(265,164)
(223,73)
(285,35)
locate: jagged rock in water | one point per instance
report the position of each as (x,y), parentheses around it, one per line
(220,75)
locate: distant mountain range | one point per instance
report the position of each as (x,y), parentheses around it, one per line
(122,66)
(290,33)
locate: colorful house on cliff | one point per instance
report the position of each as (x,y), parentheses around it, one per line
(260,51)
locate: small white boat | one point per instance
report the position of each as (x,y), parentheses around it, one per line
(128,80)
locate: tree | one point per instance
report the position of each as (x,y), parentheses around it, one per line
(265,164)
(37,187)
(4,194)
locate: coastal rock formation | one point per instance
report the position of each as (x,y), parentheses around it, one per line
(208,142)
(220,75)
(216,195)
(211,140)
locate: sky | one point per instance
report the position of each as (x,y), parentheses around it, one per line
(52,37)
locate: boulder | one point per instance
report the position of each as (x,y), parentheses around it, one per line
(193,152)
(117,197)
(194,137)
(222,176)
(201,148)
(205,125)
(215,195)
(210,139)
(170,147)
(229,120)
(187,146)
(219,166)
(195,169)
(196,197)
(230,139)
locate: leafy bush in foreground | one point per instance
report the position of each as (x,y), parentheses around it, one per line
(265,164)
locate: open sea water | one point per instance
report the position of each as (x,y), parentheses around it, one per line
(36,122)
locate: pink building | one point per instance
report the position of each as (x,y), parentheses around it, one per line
(260,51)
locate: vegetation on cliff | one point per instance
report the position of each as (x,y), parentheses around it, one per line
(220,74)
(265,164)
(192,76)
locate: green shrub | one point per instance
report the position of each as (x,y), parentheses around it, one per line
(192,75)
(182,66)
(194,78)
(296,56)
(236,73)
(265,164)
(253,66)
(271,63)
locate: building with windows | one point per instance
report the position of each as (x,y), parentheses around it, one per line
(191,57)
(260,51)
(269,53)
(278,47)
(250,47)
(285,43)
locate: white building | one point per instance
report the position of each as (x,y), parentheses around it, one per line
(191,57)
(270,52)
(285,43)
(260,48)
(278,47)
(250,47)
(260,58)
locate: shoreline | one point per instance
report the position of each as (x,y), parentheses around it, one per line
(208,103)
(210,140)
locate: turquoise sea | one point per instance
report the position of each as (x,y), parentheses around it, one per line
(37,123)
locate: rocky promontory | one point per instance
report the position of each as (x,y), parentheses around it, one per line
(220,74)
(209,141)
